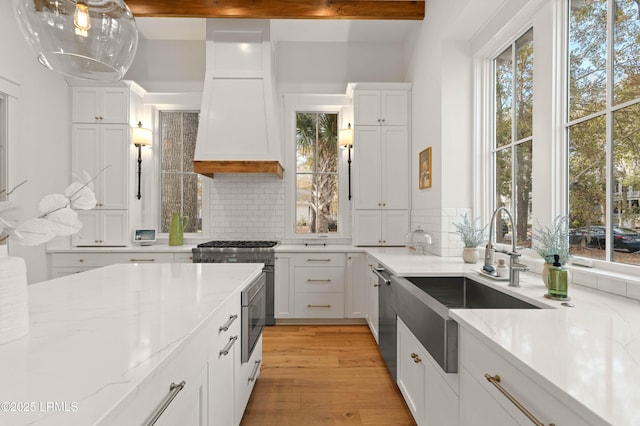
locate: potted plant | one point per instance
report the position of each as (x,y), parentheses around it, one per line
(552,240)
(472,235)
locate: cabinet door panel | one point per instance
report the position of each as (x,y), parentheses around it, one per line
(114,227)
(367,168)
(85,105)
(356,286)
(395,225)
(367,108)
(395,173)
(283,287)
(372,314)
(322,279)
(411,373)
(367,227)
(89,234)
(114,154)
(477,407)
(114,105)
(395,106)
(85,149)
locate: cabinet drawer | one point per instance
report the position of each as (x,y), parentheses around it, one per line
(90,260)
(319,279)
(319,305)
(319,259)
(183,257)
(137,257)
(225,325)
(478,360)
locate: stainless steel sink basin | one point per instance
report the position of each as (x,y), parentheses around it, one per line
(424,304)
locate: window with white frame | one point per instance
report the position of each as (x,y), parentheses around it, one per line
(180,187)
(603,129)
(513,138)
(317,177)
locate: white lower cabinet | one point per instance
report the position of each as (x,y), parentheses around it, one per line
(428,395)
(245,379)
(283,291)
(189,406)
(372,296)
(356,290)
(102,228)
(319,285)
(481,402)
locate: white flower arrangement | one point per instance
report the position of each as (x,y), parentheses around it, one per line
(57,214)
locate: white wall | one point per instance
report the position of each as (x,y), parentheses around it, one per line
(40,151)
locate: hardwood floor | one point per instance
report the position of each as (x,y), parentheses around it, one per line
(324,375)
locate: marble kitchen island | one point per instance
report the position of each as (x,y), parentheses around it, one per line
(97,338)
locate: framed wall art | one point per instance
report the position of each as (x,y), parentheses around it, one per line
(425,172)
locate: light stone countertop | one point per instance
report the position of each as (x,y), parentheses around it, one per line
(154,248)
(96,335)
(329,248)
(590,353)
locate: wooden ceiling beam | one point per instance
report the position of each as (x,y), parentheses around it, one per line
(280,9)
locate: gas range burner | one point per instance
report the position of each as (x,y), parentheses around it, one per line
(238,244)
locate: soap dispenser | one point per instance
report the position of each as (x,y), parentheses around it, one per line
(557,280)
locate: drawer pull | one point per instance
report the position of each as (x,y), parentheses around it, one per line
(142,260)
(495,381)
(415,357)
(319,306)
(174,389)
(227,324)
(318,260)
(227,347)
(311,280)
(256,367)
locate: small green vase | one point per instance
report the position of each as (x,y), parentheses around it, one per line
(176,229)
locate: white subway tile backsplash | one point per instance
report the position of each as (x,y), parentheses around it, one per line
(584,279)
(247,206)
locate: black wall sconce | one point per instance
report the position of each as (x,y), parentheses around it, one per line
(345,140)
(139,137)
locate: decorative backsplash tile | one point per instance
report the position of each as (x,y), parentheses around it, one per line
(246,207)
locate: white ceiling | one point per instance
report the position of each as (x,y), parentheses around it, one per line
(286,30)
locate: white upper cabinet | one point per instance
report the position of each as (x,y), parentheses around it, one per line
(102,105)
(381,107)
(381,157)
(95,147)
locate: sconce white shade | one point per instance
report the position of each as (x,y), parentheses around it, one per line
(345,137)
(141,136)
(89,39)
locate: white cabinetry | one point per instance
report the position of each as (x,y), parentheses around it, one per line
(355,286)
(102,228)
(284,292)
(66,263)
(100,105)
(319,285)
(189,406)
(100,145)
(224,354)
(372,297)
(482,403)
(381,162)
(427,393)
(105,148)
(381,107)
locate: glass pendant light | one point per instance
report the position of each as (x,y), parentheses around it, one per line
(90,39)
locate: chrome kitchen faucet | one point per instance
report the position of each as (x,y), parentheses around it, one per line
(489,252)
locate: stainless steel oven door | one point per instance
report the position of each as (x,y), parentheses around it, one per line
(253,315)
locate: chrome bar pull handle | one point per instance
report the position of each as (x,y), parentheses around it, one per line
(254,373)
(311,280)
(377,271)
(319,306)
(174,389)
(225,351)
(318,260)
(495,381)
(226,325)
(142,260)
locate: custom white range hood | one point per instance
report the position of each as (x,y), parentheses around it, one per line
(238,128)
